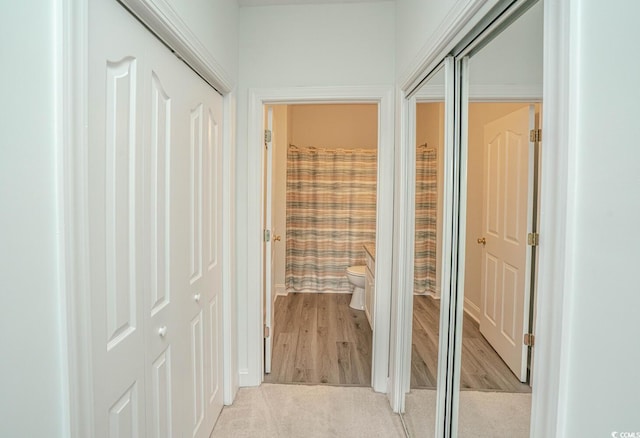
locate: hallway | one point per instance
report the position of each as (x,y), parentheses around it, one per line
(279,411)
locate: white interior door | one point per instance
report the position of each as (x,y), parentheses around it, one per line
(154,234)
(504,288)
(268,247)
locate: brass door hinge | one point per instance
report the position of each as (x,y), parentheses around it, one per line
(267,136)
(266,331)
(533,239)
(529,339)
(535,135)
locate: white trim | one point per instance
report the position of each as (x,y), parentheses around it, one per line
(229,296)
(432,294)
(165,22)
(404,270)
(558,176)
(398,336)
(64,92)
(472,309)
(73,221)
(458,247)
(486,93)
(281,291)
(383,96)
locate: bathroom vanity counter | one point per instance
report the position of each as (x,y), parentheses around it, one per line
(369,281)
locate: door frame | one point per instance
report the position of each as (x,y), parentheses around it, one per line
(554,298)
(258,98)
(71,37)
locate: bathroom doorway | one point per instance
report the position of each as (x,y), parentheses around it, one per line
(320,191)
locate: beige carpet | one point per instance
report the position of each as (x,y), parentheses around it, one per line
(481,414)
(272,410)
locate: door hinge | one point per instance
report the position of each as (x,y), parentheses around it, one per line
(266,331)
(533,239)
(267,136)
(535,135)
(529,339)
(267,235)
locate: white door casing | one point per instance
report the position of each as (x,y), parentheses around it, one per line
(154,171)
(251,372)
(505,271)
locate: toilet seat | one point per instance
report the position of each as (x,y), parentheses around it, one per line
(357,271)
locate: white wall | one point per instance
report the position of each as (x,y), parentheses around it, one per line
(416,22)
(215,23)
(604,293)
(302,46)
(514,57)
(32,392)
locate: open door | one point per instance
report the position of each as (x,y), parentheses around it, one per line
(507,219)
(267,246)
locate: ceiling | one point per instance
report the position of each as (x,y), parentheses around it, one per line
(297,2)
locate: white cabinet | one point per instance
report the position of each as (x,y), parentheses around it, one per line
(369,287)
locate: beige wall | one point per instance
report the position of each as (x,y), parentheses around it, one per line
(430,130)
(334,125)
(479,115)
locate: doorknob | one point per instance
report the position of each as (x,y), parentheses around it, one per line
(162,331)
(276,238)
(482,241)
(196,298)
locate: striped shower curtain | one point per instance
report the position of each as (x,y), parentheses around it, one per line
(426,210)
(331,213)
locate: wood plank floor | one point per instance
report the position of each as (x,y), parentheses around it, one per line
(319,339)
(482,368)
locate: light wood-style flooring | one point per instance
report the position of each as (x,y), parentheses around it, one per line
(481,369)
(319,339)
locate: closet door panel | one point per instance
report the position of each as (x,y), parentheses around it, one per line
(154,234)
(115,187)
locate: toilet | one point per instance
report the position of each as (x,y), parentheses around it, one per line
(355,274)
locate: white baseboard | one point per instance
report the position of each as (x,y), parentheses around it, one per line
(433,294)
(281,290)
(472,310)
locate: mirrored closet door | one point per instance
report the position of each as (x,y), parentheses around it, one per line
(426,310)
(501,90)
(470,305)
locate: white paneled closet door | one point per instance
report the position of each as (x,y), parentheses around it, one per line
(154,216)
(197,216)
